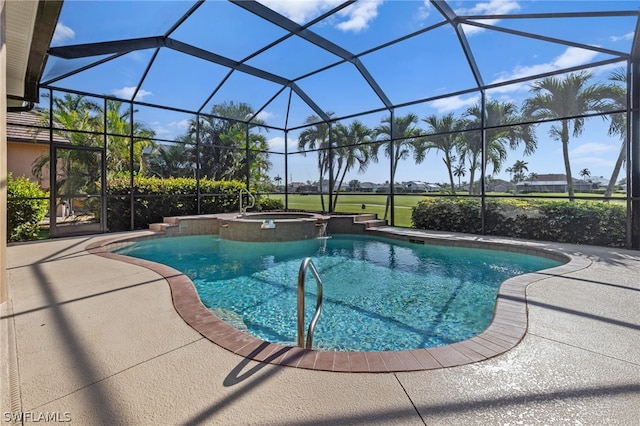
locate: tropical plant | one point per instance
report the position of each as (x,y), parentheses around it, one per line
(175,160)
(618,124)
(351,150)
(224,146)
(26,207)
(459,171)
(501,130)
(445,139)
(566,100)
(517,171)
(81,122)
(584,173)
(119,140)
(316,138)
(398,144)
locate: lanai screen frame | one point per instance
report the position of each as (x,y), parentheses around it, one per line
(118,48)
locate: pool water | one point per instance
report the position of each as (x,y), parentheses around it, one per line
(379,294)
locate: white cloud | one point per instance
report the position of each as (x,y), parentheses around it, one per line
(425,10)
(593,163)
(453,103)
(359,15)
(628,36)
(572,56)
(265,116)
(127,92)
(593,148)
(492,7)
(276,143)
(355,17)
(300,11)
(62,33)
(171,129)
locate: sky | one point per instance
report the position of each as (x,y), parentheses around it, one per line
(428,65)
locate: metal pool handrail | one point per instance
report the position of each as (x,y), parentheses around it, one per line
(253,200)
(307,263)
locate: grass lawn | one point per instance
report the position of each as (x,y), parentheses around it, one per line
(375,203)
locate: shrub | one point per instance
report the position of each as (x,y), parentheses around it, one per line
(586,222)
(264,203)
(155,198)
(26,208)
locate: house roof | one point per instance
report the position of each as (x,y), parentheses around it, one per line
(24,127)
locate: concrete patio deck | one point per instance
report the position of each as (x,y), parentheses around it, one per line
(92,340)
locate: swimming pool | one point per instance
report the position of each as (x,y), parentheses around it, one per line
(380,294)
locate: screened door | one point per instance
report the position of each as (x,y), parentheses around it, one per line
(79,202)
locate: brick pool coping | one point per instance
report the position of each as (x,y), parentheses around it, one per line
(508,326)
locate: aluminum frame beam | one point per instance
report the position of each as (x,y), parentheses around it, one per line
(308,35)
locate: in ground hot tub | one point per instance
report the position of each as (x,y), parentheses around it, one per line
(273,227)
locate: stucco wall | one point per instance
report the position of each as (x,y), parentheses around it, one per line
(20,157)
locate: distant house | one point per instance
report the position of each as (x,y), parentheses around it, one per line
(367,187)
(293,186)
(25,144)
(598,181)
(432,187)
(415,186)
(419,186)
(553,183)
(384,188)
(499,185)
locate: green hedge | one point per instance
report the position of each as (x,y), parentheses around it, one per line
(26,208)
(581,222)
(156,198)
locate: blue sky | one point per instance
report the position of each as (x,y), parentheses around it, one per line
(428,65)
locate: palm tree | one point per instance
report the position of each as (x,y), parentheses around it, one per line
(567,100)
(517,171)
(618,125)
(278,181)
(171,161)
(316,137)
(118,139)
(584,173)
(445,139)
(459,171)
(351,149)
(223,143)
(502,129)
(75,118)
(398,145)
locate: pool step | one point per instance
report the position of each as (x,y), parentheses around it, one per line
(366,217)
(162,227)
(374,223)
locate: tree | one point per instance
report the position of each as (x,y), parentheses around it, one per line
(351,149)
(316,137)
(459,171)
(399,144)
(566,100)
(618,124)
(445,139)
(517,172)
(224,143)
(84,123)
(584,173)
(501,131)
(175,160)
(278,181)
